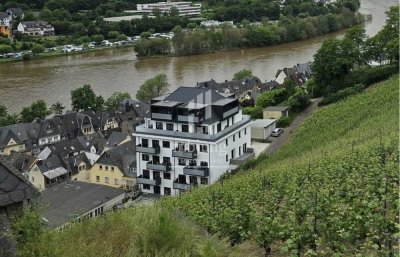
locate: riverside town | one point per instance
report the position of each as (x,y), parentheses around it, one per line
(213,128)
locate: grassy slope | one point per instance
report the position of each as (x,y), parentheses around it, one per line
(334,157)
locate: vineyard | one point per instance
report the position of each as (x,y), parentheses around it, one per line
(332,191)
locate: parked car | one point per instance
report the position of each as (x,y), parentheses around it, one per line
(276,132)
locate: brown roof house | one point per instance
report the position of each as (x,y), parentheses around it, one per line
(15,191)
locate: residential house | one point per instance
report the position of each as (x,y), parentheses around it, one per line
(17,137)
(5,19)
(5,31)
(23,162)
(45,173)
(35,28)
(262,128)
(276,112)
(131,113)
(116,167)
(15,191)
(298,74)
(74,201)
(189,138)
(49,132)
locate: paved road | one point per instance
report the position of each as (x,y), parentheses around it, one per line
(278,142)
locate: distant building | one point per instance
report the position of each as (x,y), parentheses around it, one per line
(276,112)
(36,28)
(122,18)
(213,23)
(298,74)
(5,19)
(5,30)
(74,201)
(184,8)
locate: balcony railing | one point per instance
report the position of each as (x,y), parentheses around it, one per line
(142,130)
(200,171)
(147,181)
(230,112)
(184,154)
(181,186)
(161,116)
(148,149)
(247,155)
(188,118)
(158,166)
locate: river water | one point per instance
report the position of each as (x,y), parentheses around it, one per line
(119,70)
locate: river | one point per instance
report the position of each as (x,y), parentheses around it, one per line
(119,70)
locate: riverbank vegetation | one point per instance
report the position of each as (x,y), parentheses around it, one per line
(203,40)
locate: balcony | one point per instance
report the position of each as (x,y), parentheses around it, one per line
(247,155)
(188,118)
(158,166)
(181,186)
(230,112)
(184,154)
(161,116)
(200,171)
(148,149)
(147,181)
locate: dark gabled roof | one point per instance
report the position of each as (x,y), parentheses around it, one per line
(116,138)
(48,128)
(95,139)
(4,15)
(208,84)
(51,163)
(67,147)
(14,188)
(35,24)
(73,162)
(15,11)
(193,94)
(123,156)
(68,200)
(19,132)
(21,161)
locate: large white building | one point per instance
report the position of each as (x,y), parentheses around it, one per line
(184,8)
(190,137)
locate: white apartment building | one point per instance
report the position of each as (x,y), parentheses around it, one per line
(190,138)
(184,8)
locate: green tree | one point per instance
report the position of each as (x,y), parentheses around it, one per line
(122,37)
(113,34)
(98,38)
(5,49)
(145,34)
(37,109)
(37,49)
(115,100)
(243,74)
(84,98)
(153,87)
(57,108)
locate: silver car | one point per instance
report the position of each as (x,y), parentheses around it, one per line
(276,132)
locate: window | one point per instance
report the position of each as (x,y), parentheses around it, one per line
(185,128)
(116,182)
(245,131)
(227,122)
(226,158)
(170,126)
(145,157)
(146,187)
(226,142)
(192,147)
(240,134)
(112,169)
(167,191)
(145,142)
(166,160)
(159,125)
(106,167)
(167,175)
(219,127)
(156,143)
(33,179)
(106,180)
(182,162)
(166,144)
(146,174)
(204,164)
(97,178)
(203,148)
(234,138)
(100,167)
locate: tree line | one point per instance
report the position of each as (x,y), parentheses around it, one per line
(197,40)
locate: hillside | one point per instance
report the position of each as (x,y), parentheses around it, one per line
(333,190)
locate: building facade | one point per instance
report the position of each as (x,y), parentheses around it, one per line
(189,139)
(36,28)
(184,8)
